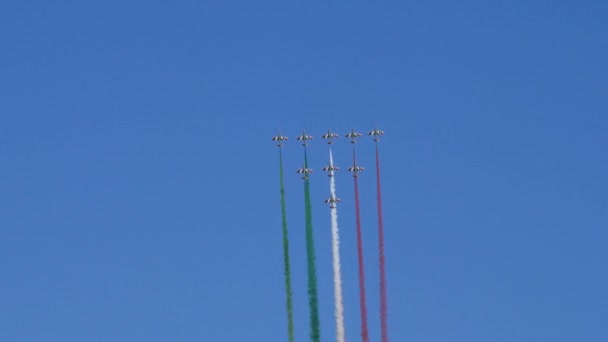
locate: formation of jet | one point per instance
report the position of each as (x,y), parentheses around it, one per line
(353,135)
(280,138)
(376,133)
(305,171)
(332,200)
(329,136)
(330,168)
(304,138)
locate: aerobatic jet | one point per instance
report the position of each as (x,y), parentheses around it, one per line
(304,171)
(304,138)
(331,168)
(280,138)
(332,200)
(376,133)
(353,135)
(329,136)
(355,169)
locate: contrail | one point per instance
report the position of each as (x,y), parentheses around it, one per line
(286,255)
(335,245)
(362,299)
(315,330)
(383,304)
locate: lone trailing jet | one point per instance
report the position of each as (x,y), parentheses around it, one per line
(376,133)
(331,169)
(332,201)
(304,138)
(353,135)
(355,170)
(280,138)
(329,136)
(304,171)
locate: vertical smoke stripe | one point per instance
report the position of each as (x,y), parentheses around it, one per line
(286,262)
(315,330)
(383,301)
(362,299)
(335,239)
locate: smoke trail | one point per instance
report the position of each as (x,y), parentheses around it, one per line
(315,330)
(335,246)
(286,255)
(362,299)
(383,305)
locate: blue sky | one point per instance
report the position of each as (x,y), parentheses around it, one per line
(140,186)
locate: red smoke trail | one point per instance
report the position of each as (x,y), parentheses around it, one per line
(362,300)
(383,306)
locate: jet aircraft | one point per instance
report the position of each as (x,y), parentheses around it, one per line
(332,200)
(353,135)
(280,138)
(376,133)
(329,136)
(331,168)
(304,138)
(304,171)
(355,170)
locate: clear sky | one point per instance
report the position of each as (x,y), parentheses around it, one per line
(140,195)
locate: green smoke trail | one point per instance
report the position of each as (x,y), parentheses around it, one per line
(315,330)
(286,255)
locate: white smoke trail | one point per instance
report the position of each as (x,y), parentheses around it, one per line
(335,244)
